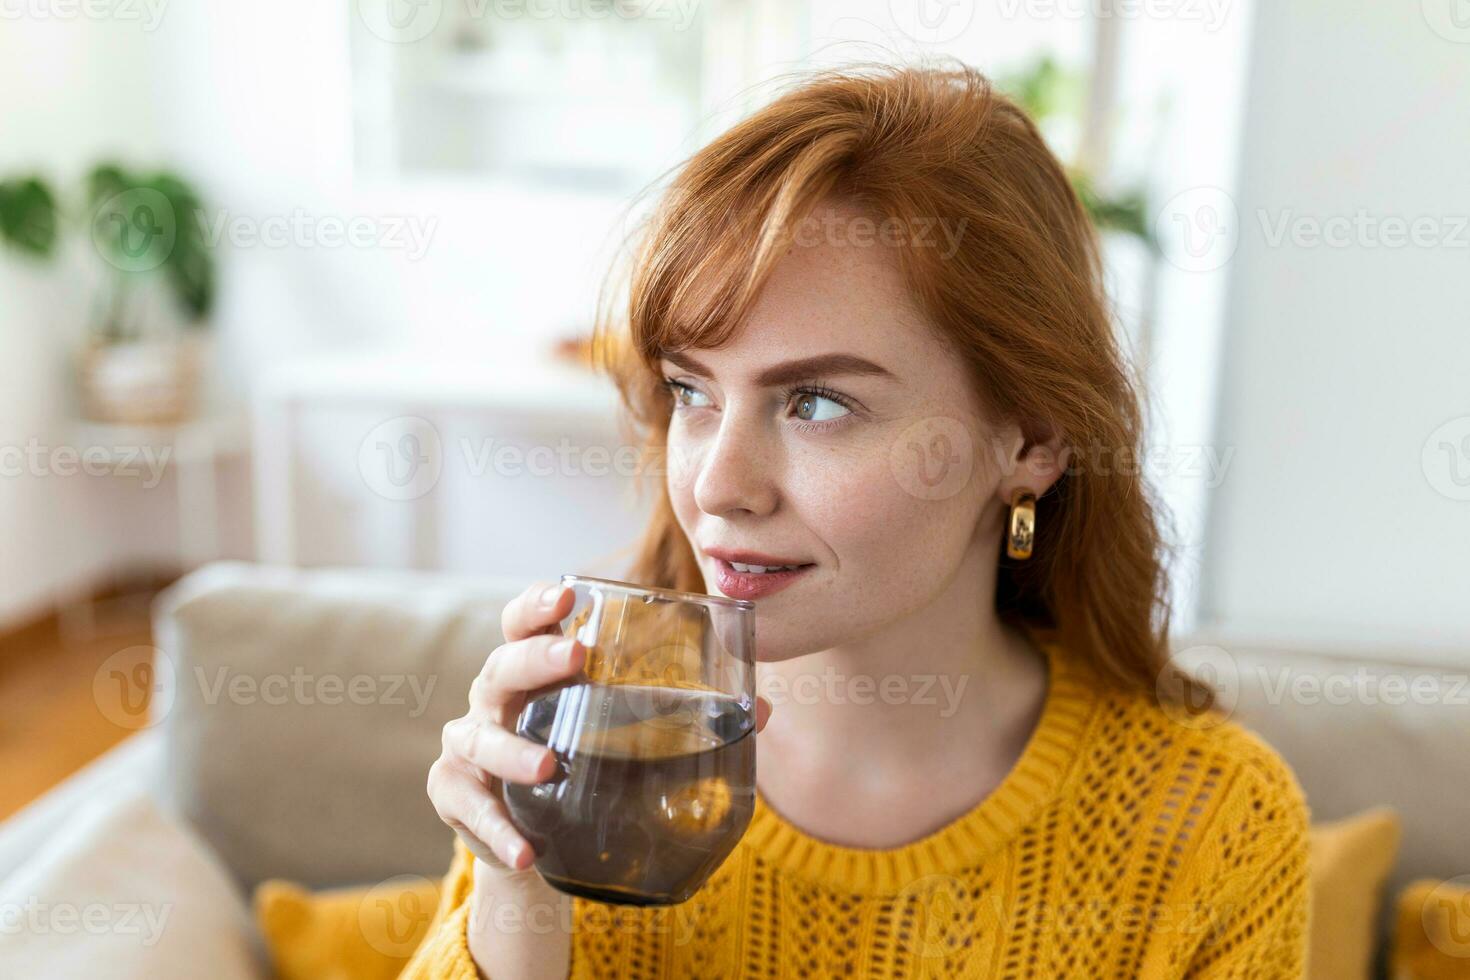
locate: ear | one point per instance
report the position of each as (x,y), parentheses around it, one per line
(1033,458)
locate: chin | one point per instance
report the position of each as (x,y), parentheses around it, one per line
(770,653)
(774,645)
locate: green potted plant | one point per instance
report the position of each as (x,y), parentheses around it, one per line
(140,364)
(1049,92)
(28,216)
(138,367)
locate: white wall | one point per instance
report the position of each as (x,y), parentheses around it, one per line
(75,90)
(252,103)
(1340,362)
(1343,361)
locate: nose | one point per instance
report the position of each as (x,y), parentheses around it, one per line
(735,471)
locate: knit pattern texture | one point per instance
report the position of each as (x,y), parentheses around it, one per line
(1130,840)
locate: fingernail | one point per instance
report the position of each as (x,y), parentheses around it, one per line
(532,758)
(549,597)
(513,854)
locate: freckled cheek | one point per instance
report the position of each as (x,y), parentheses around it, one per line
(681,498)
(872,523)
(862,513)
(679,468)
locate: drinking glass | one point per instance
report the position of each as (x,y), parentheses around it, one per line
(654,741)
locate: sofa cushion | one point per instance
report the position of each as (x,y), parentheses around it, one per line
(1432,939)
(124,890)
(1361,728)
(307,707)
(134,763)
(363,933)
(1349,859)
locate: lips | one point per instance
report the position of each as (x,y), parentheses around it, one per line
(755,585)
(751,557)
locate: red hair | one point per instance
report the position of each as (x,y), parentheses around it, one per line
(1019,299)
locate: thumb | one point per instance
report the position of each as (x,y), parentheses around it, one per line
(762,711)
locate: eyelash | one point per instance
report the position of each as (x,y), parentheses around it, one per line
(802,425)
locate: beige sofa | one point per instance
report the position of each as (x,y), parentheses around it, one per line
(305,707)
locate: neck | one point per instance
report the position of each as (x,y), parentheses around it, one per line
(950,675)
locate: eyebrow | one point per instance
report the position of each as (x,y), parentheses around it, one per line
(788,372)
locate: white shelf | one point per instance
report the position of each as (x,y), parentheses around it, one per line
(212,437)
(512,381)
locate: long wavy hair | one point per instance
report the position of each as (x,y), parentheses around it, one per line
(1019,298)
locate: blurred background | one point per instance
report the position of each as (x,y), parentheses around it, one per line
(307,288)
(309,285)
(364,347)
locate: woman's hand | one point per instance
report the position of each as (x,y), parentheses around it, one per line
(480,752)
(481,749)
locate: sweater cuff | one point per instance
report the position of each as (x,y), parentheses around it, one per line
(445,952)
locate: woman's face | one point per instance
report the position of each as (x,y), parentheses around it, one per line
(888,485)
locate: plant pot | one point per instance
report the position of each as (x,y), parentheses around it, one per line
(140,382)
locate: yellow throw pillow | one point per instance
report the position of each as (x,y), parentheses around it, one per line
(1431,939)
(345,934)
(1350,860)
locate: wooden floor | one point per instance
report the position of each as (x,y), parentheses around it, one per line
(66,693)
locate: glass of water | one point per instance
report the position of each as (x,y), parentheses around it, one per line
(654,740)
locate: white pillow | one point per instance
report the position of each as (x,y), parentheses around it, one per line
(125,891)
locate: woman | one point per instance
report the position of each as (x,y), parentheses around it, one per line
(868,329)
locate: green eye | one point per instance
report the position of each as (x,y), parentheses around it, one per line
(811,408)
(682,393)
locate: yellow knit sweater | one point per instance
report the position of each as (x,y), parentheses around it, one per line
(1128,841)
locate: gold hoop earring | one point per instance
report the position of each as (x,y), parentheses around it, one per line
(1022,533)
